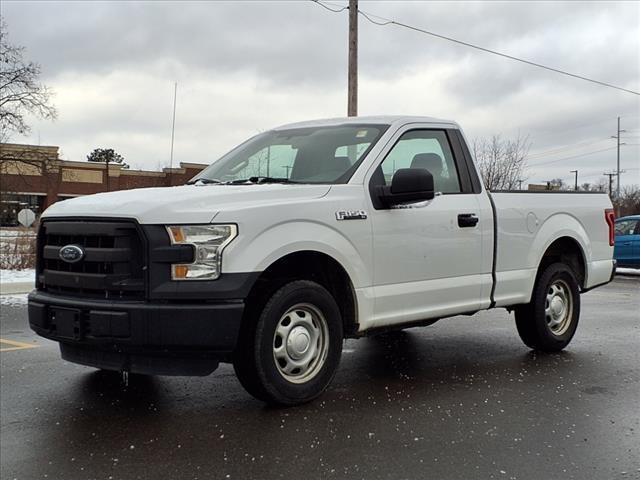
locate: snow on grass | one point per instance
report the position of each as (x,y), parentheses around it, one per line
(17,276)
(17,300)
(17,249)
(17,232)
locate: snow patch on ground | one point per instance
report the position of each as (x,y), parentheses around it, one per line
(14,300)
(628,271)
(17,276)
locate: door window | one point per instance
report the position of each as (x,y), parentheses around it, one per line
(424,149)
(626,227)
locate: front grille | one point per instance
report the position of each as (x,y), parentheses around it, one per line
(113,266)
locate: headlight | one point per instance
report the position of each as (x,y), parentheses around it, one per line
(208,242)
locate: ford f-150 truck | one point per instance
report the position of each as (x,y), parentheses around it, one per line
(303,236)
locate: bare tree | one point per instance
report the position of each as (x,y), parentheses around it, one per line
(20,91)
(599,186)
(558,184)
(628,203)
(502,162)
(20,161)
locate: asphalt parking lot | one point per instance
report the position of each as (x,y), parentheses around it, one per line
(461,399)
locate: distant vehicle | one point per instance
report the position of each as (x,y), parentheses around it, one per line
(627,246)
(303,236)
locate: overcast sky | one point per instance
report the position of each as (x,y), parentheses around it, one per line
(244,67)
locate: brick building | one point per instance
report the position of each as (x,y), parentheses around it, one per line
(34,177)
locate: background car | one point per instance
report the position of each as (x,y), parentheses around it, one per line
(627,246)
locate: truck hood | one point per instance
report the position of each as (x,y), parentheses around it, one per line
(184,204)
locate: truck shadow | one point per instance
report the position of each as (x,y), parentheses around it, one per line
(399,359)
(407,355)
(108,389)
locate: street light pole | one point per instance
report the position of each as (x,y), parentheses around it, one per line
(610,175)
(576,184)
(352,101)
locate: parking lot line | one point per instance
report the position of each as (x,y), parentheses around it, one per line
(15,345)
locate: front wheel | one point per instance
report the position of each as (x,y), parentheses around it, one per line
(550,320)
(291,351)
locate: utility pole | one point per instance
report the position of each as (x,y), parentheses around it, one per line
(576,184)
(617,137)
(519,183)
(352,102)
(610,175)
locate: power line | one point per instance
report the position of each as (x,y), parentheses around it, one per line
(574,156)
(568,147)
(387,21)
(382,24)
(593,175)
(552,133)
(324,5)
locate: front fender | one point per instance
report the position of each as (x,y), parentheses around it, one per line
(258,253)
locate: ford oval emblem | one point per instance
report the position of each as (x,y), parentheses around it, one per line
(71,253)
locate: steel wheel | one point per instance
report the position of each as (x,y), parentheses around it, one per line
(289,353)
(300,343)
(558,308)
(549,321)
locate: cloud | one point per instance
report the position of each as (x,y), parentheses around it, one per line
(243,67)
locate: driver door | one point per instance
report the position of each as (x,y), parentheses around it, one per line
(427,259)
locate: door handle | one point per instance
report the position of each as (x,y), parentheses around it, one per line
(626,243)
(467,220)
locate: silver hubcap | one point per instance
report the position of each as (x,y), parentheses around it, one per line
(558,308)
(301,343)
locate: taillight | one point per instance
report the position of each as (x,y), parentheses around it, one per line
(610,218)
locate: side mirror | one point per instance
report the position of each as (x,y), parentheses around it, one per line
(408,185)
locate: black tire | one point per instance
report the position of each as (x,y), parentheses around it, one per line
(255,361)
(536,321)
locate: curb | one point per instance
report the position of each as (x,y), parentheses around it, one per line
(16,287)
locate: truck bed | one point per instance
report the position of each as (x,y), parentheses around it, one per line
(527,223)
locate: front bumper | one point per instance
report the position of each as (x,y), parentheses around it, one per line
(136,336)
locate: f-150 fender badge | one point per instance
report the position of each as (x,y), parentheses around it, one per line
(351,215)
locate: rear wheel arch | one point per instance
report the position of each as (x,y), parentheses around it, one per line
(566,250)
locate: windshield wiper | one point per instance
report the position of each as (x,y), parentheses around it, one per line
(203,181)
(263,180)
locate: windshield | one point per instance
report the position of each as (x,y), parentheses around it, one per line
(300,155)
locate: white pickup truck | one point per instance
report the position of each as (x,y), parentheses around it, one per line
(301,237)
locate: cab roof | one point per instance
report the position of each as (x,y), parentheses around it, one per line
(629,217)
(396,120)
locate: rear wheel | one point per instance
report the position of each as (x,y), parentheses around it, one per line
(550,320)
(292,349)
